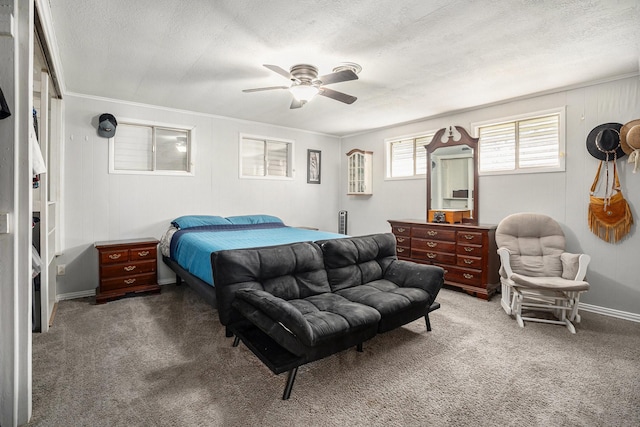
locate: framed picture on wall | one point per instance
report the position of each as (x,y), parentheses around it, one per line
(313,166)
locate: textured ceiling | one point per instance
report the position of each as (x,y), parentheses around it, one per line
(419,58)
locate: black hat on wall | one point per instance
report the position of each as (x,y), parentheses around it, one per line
(107,125)
(603,142)
(4,107)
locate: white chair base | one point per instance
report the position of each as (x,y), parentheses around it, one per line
(563,306)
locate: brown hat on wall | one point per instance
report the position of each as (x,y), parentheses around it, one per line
(630,142)
(603,142)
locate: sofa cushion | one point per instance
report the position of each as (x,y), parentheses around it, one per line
(312,320)
(386,297)
(288,271)
(357,260)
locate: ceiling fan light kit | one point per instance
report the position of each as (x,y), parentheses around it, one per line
(305,83)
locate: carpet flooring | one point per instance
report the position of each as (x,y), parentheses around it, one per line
(163,360)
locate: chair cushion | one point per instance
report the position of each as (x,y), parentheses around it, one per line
(549,283)
(535,243)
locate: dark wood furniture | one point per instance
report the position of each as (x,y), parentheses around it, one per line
(466,252)
(127,267)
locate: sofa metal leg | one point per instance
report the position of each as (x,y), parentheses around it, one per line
(227,332)
(426,320)
(289,386)
(359,347)
(178,280)
(236,341)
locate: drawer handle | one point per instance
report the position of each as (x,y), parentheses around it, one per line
(400,239)
(432,244)
(468,236)
(130,268)
(129,281)
(432,233)
(468,276)
(143,253)
(431,255)
(468,249)
(468,261)
(401,230)
(400,249)
(115,256)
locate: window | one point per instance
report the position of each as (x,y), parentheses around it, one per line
(265,157)
(407,157)
(144,148)
(533,143)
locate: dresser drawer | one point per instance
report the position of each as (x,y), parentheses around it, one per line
(470,250)
(470,262)
(403,241)
(142,253)
(433,233)
(403,252)
(433,245)
(127,281)
(127,269)
(435,257)
(464,275)
(401,230)
(472,237)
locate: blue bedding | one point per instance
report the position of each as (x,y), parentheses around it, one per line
(192,247)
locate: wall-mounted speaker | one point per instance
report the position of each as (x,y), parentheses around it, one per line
(342,222)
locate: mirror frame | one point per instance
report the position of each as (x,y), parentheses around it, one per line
(465,139)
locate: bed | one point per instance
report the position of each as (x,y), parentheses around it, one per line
(188,243)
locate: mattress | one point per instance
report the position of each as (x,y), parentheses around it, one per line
(191,248)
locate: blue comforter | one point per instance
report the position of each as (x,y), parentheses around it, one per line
(192,248)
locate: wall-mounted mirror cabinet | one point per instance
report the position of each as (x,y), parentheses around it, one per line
(452,177)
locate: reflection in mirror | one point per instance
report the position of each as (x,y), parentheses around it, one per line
(452,189)
(452,178)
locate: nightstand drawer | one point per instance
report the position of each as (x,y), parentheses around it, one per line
(127,269)
(114,256)
(127,281)
(148,252)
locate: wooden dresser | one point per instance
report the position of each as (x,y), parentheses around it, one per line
(466,252)
(127,267)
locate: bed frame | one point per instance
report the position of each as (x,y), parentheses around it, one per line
(201,287)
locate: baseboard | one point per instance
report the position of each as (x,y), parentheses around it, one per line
(74,295)
(169,281)
(634,317)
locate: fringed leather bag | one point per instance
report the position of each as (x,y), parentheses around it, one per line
(609,217)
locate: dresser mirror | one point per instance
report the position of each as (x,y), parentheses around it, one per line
(452,177)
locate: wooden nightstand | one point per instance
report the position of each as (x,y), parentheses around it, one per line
(127,267)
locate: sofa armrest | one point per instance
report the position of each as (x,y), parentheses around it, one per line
(505,263)
(407,274)
(279,311)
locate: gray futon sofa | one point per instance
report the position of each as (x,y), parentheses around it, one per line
(295,303)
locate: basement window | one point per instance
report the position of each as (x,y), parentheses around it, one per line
(406,156)
(267,158)
(525,144)
(151,149)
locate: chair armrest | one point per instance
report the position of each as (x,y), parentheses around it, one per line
(505,262)
(574,266)
(407,274)
(278,310)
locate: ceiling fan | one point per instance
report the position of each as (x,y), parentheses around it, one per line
(305,83)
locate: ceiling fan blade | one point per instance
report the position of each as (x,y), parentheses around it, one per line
(338,96)
(279,70)
(340,76)
(296,104)
(258,89)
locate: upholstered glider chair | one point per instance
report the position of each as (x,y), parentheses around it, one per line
(536,273)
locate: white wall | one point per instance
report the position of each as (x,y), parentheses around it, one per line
(614,272)
(101,206)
